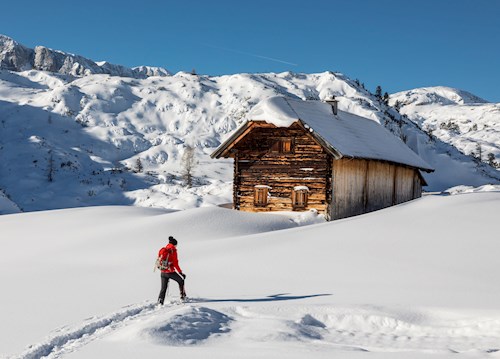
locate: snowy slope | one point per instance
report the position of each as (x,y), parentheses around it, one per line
(455,117)
(69,141)
(78,283)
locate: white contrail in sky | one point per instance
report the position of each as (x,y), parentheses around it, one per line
(250,54)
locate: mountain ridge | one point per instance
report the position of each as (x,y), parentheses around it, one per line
(436,94)
(457,117)
(17,57)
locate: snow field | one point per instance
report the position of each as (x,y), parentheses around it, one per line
(418,280)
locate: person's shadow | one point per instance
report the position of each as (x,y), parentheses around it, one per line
(270,298)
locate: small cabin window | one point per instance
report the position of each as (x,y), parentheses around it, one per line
(299,197)
(282,145)
(261,196)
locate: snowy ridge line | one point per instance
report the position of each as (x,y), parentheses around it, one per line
(65,340)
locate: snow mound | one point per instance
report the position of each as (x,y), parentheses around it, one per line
(193,326)
(470,189)
(212,222)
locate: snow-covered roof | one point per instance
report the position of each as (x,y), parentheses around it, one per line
(344,134)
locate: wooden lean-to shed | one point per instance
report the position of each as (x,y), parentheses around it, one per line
(294,155)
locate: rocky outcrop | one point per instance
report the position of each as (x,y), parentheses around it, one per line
(16,57)
(148,71)
(13,56)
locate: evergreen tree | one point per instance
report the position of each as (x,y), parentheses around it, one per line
(378,92)
(479,150)
(491,159)
(138,166)
(386,98)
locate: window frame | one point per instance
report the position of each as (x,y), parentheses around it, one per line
(261,196)
(301,193)
(279,145)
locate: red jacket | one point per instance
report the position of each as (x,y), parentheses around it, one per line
(171,252)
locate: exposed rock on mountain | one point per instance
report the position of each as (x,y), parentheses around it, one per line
(16,57)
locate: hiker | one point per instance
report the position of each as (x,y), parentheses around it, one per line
(172,269)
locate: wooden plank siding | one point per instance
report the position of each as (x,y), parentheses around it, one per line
(361,186)
(404,184)
(256,164)
(417,185)
(349,184)
(380,185)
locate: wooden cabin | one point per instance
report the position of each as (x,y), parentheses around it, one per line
(294,155)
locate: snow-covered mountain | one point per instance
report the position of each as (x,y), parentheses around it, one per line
(16,57)
(464,120)
(68,141)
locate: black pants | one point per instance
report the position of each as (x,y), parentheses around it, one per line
(165,277)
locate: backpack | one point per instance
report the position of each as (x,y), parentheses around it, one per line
(160,263)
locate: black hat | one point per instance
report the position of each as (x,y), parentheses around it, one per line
(172,240)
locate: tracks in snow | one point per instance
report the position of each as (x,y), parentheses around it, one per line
(68,339)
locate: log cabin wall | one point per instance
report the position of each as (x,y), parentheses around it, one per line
(361,186)
(258,163)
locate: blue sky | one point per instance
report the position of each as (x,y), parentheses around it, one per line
(396,44)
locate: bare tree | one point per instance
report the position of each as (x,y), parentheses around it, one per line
(188,164)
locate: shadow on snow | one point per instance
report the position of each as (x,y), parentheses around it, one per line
(270,298)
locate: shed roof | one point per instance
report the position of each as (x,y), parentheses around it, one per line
(342,135)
